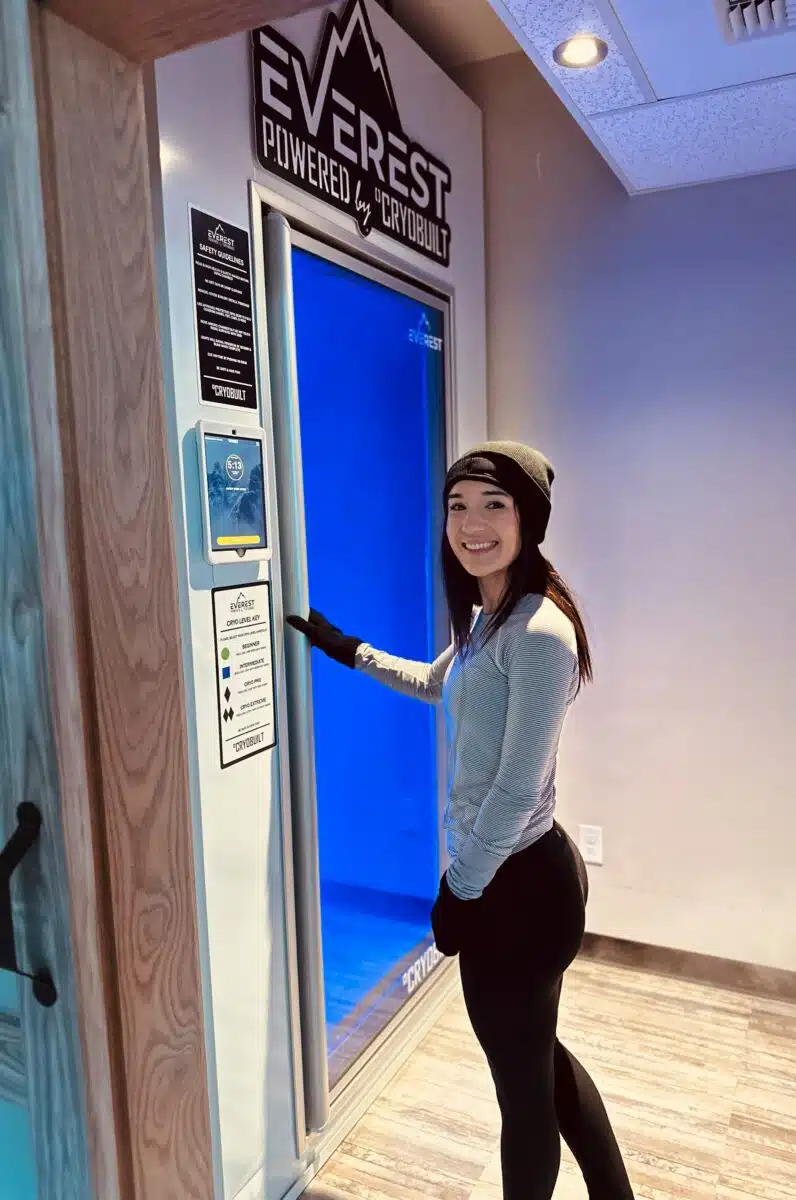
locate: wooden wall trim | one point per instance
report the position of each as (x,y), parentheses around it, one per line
(72,1110)
(143,30)
(120,525)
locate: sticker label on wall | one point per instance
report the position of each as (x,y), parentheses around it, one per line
(244,670)
(336,133)
(224,316)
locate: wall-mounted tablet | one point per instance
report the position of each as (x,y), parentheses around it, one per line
(232,477)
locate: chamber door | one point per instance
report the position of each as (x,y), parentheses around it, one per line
(368,367)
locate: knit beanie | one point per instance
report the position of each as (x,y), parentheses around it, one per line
(523,473)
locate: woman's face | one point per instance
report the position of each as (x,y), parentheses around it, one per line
(483,528)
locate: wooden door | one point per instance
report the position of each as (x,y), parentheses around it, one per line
(44,1146)
(58,1113)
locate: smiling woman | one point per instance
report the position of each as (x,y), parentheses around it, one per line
(483,531)
(520,480)
(512,902)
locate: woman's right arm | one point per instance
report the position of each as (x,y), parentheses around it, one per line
(422,681)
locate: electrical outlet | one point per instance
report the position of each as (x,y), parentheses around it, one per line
(591,844)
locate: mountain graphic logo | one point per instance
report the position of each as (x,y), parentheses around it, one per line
(335,131)
(218,235)
(423,336)
(352,35)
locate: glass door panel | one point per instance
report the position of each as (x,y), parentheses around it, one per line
(371,384)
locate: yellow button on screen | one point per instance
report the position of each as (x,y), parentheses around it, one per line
(244,539)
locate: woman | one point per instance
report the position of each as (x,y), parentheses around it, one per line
(512,902)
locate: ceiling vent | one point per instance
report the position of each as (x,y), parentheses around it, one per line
(745,19)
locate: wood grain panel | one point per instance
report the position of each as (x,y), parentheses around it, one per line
(143,30)
(114,404)
(62,584)
(51,1084)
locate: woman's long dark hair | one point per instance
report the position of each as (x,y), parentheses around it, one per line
(529,573)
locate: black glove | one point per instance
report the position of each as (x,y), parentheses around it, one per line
(451,920)
(327,637)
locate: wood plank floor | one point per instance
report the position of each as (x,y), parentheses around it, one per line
(699,1082)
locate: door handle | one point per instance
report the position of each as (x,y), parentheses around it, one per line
(25,835)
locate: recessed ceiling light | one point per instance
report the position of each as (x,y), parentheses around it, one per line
(583,50)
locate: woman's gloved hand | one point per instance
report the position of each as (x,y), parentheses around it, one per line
(327,637)
(450,920)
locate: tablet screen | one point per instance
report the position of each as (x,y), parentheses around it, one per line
(236,496)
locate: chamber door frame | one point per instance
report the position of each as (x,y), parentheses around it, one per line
(288,224)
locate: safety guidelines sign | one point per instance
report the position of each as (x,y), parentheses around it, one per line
(224,313)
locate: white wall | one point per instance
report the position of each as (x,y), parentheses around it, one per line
(648,346)
(206,150)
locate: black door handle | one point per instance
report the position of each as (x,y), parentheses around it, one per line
(24,836)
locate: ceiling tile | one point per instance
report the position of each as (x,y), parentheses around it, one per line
(739,131)
(723,110)
(683,51)
(612,85)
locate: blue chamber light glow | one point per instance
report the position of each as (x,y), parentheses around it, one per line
(371,375)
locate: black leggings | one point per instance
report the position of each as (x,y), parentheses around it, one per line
(525,931)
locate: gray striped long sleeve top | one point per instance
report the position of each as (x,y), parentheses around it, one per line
(505,704)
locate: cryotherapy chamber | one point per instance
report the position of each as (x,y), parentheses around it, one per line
(317,858)
(360,381)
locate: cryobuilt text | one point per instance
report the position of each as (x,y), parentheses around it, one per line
(336,133)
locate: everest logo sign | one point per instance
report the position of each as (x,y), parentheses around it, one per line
(335,132)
